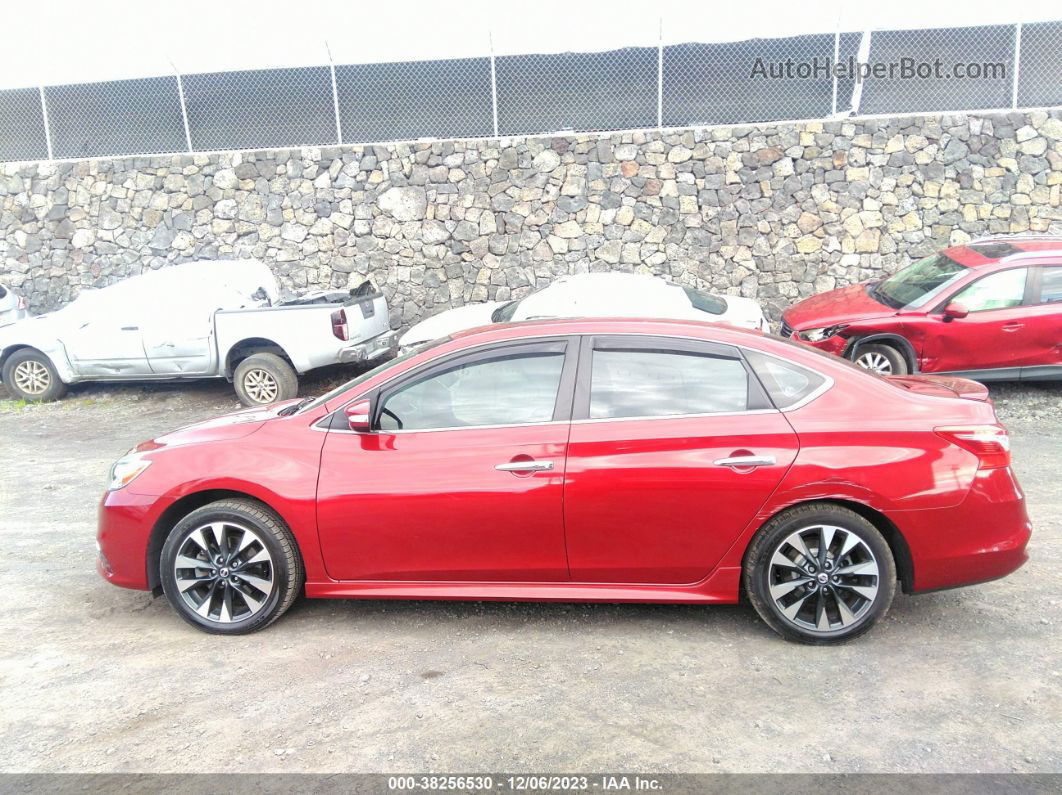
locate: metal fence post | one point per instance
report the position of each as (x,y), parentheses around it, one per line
(47,126)
(660,73)
(493,84)
(1017,65)
(184,109)
(836,56)
(335,94)
(862,56)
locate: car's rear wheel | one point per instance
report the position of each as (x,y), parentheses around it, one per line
(30,375)
(881,359)
(231,567)
(265,378)
(820,573)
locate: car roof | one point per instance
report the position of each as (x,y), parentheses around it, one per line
(715,331)
(995,250)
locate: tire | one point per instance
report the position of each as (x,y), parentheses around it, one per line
(29,375)
(231,599)
(881,359)
(265,378)
(793,610)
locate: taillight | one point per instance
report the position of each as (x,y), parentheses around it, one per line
(339,324)
(990,443)
(21,303)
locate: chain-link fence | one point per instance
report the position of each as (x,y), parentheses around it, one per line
(759,80)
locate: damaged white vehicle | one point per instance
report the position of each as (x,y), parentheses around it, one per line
(596,295)
(204,319)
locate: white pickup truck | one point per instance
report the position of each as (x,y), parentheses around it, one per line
(204,319)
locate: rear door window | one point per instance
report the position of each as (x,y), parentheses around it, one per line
(1051,285)
(645,376)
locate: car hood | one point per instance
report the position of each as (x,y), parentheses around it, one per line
(843,305)
(224,428)
(449,322)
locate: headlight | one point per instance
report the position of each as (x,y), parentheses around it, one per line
(819,334)
(126,469)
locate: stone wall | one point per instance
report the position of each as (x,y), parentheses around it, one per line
(774,212)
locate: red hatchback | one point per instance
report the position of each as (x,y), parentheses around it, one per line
(604,460)
(990,310)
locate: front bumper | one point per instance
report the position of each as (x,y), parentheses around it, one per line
(385,344)
(837,345)
(123,536)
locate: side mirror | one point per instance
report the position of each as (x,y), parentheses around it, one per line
(955,311)
(358,414)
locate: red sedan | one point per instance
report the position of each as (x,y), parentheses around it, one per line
(990,310)
(596,460)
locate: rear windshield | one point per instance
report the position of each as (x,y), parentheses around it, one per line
(706,302)
(504,313)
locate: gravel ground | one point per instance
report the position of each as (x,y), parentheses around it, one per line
(100,679)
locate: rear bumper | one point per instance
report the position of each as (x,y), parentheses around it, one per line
(983,538)
(374,348)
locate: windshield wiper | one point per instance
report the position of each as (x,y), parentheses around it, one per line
(882,298)
(287,410)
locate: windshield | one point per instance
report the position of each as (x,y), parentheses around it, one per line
(370,374)
(712,304)
(503,314)
(917,284)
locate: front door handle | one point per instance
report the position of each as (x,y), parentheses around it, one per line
(1013,326)
(739,461)
(525,466)
(130,328)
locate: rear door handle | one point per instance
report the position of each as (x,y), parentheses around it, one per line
(130,328)
(1013,326)
(525,466)
(746,461)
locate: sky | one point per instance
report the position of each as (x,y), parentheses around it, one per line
(52,42)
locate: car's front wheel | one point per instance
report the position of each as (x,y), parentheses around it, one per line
(820,573)
(231,567)
(881,359)
(30,375)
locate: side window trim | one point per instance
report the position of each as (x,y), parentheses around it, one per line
(1025,295)
(757,400)
(1036,281)
(561,344)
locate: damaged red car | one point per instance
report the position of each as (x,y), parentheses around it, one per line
(990,310)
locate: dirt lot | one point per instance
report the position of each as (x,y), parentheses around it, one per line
(95,678)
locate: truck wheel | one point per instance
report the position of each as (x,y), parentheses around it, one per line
(30,375)
(881,359)
(265,378)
